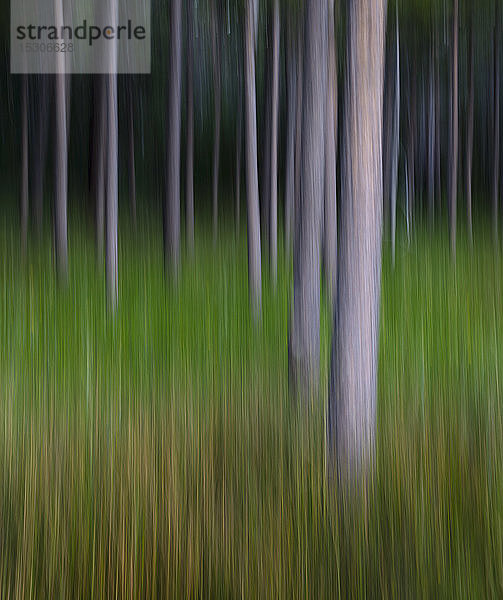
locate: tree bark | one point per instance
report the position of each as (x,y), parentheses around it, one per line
(172,209)
(254,257)
(217,107)
(40,151)
(24,162)
(330,225)
(454,131)
(304,341)
(291,77)
(273,199)
(353,378)
(189,186)
(469,129)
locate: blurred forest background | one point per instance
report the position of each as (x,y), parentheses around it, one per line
(251,308)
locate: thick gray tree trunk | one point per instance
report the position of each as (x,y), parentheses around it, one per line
(454,130)
(189,185)
(496,138)
(469,129)
(273,187)
(291,78)
(24,162)
(112,179)
(252,200)
(217,106)
(396,144)
(353,378)
(172,209)
(330,225)
(61,144)
(304,339)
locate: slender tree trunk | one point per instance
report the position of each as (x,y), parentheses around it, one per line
(496,139)
(396,143)
(172,209)
(304,342)
(239,147)
(298,125)
(24,162)
(291,77)
(438,124)
(189,186)
(411,154)
(265,183)
(61,143)
(330,225)
(101,134)
(273,200)
(454,131)
(131,158)
(431,139)
(469,129)
(40,151)
(112,179)
(254,258)
(353,379)
(217,106)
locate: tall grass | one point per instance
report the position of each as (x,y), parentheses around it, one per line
(158,454)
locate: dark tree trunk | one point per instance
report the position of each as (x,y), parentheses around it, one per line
(61,157)
(496,139)
(40,151)
(273,198)
(100,146)
(189,186)
(265,163)
(469,128)
(330,225)
(239,148)
(298,125)
(304,340)
(24,162)
(396,144)
(291,77)
(131,158)
(252,200)
(217,106)
(431,137)
(172,209)
(453,130)
(353,379)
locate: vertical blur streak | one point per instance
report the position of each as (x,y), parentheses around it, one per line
(24,162)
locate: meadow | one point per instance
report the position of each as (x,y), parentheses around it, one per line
(159,454)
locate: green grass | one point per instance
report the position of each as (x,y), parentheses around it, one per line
(158,454)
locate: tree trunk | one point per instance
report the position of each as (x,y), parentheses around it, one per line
(189,191)
(298,125)
(239,147)
(112,180)
(61,144)
(131,159)
(217,106)
(304,341)
(438,137)
(431,139)
(24,162)
(353,378)
(40,151)
(454,132)
(291,77)
(396,144)
(172,209)
(411,153)
(265,163)
(273,199)
(330,225)
(100,142)
(496,145)
(469,129)
(254,258)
